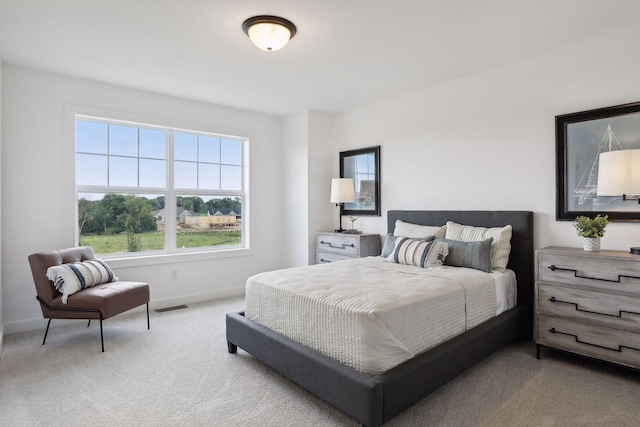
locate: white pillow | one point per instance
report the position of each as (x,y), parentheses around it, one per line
(415,231)
(500,248)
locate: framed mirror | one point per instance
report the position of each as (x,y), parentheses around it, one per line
(363,166)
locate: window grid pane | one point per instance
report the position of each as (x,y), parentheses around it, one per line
(91,169)
(185,174)
(153,144)
(123,141)
(91,137)
(123,171)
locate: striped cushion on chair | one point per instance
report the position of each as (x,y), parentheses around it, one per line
(73,277)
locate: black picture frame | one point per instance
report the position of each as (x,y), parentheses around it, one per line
(580,138)
(363,165)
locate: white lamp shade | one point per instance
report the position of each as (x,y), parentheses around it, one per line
(342,190)
(619,173)
(269,36)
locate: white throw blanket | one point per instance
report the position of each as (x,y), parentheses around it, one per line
(369,314)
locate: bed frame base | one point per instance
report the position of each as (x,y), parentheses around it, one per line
(373,400)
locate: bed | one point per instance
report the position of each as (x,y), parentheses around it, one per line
(375,399)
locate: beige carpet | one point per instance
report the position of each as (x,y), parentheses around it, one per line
(180,374)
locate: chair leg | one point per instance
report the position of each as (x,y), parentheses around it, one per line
(101,336)
(148,325)
(89,323)
(46,332)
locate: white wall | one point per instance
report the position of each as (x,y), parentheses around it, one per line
(295,185)
(487,141)
(309,155)
(33,188)
(1,316)
(323,165)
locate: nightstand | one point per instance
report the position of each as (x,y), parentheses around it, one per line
(588,303)
(338,246)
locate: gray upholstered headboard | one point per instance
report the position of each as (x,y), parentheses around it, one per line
(521,259)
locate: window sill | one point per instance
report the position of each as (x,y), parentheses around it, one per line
(119,261)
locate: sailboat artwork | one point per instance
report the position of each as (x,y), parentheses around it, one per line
(586,188)
(581,140)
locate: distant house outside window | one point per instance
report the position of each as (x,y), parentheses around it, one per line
(148,188)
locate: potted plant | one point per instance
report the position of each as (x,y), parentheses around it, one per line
(591,230)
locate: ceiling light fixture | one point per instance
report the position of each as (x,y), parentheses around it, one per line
(269,33)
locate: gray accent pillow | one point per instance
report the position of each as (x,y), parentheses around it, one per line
(475,255)
(389,244)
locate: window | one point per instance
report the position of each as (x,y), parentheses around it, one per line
(143,188)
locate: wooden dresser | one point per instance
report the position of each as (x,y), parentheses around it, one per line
(337,246)
(589,303)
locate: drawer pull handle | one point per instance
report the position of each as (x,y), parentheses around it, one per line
(575,274)
(618,350)
(324,260)
(344,245)
(619,315)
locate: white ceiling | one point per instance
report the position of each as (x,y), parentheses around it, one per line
(346,53)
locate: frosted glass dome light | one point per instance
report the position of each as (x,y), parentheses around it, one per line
(269,33)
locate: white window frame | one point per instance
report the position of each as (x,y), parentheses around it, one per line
(73,112)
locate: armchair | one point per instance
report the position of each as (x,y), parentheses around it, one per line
(97,302)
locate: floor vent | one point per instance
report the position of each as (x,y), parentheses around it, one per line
(175,307)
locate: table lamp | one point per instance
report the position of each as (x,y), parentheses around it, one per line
(342,191)
(619,175)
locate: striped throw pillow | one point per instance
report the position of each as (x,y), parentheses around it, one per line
(500,248)
(420,253)
(73,277)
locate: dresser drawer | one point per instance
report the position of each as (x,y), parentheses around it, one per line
(590,340)
(325,257)
(343,244)
(591,271)
(610,310)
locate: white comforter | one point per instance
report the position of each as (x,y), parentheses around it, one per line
(369,314)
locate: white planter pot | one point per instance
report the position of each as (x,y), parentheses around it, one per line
(591,243)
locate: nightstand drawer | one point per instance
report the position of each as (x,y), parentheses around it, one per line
(607,309)
(590,271)
(343,244)
(336,246)
(595,341)
(325,257)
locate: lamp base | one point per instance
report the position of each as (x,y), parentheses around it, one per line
(635,251)
(339,230)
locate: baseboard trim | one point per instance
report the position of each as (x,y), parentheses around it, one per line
(40,323)
(194,298)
